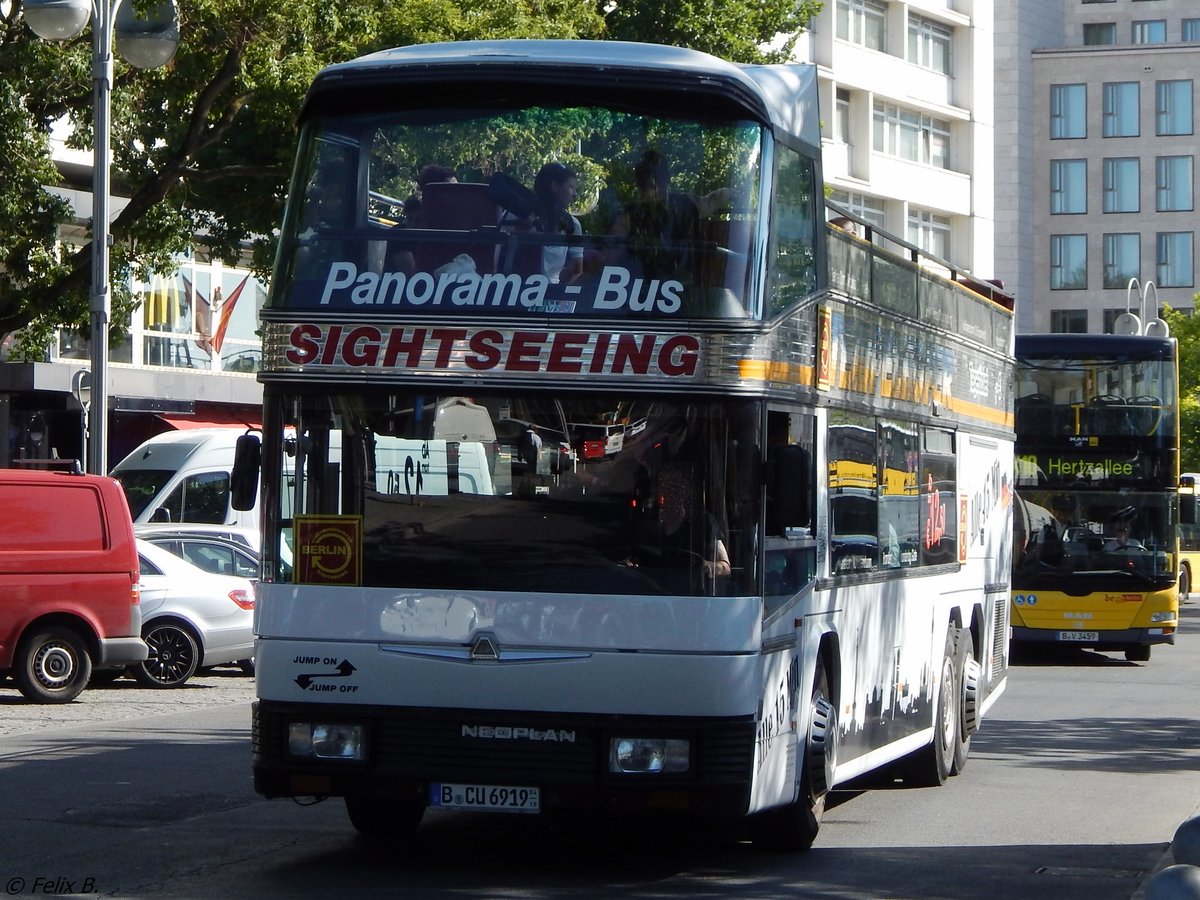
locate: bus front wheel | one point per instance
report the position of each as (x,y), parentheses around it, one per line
(1138,653)
(380,816)
(795,826)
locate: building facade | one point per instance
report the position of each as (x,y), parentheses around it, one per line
(1112,205)
(188,358)
(908,125)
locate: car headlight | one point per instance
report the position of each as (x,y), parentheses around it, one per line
(649,756)
(326,740)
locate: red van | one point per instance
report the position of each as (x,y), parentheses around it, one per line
(69,581)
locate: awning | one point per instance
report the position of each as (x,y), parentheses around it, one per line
(213,417)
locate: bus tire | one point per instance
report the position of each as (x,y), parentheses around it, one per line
(967,673)
(382,816)
(794,827)
(1185,581)
(930,766)
(1138,653)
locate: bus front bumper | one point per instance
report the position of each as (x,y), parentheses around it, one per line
(1099,640)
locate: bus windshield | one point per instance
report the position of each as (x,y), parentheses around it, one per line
(515,493)
(1095,472)
(450,210)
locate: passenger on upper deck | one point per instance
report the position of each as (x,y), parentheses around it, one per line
(401,255)
(660,227)
(554,189)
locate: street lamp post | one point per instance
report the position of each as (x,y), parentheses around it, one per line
(146,42)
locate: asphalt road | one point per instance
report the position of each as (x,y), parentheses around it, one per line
(1074,788)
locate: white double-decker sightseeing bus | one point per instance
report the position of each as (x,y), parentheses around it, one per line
(634,488)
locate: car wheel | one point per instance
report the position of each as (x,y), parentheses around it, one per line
(930,766)
(174,656)
(246,665)
(52,665)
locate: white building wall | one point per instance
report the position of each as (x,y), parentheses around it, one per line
(962,193)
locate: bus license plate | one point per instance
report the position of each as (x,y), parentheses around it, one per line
(486,797)
(1079,635)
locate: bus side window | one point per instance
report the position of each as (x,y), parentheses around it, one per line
(789,489)
(791,556)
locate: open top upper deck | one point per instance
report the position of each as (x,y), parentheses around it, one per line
(587,211)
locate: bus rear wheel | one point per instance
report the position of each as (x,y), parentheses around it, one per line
(930,766)
(967,673)
(795,826)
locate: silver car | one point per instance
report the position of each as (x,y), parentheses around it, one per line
(191,618)
(213,548)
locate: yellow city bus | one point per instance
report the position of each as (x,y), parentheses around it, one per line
(1096,546)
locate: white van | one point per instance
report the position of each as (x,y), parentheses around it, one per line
(183,476)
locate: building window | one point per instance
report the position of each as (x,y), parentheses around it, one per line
(1122,259)
(929,44)
(1110,320)
(1068,108)
(1121,109)
(863,22)
(1068,262)
(872,209)
(1173,182)
(1191,29)
(1068,186)
(1098,33)
(930,232)
(841,117)
(1121,176)
(911,135)
(1152,31)
(1173,106)
(1068,321)
(1173,259)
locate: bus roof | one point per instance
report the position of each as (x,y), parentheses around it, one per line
(1073,346)
(785,96)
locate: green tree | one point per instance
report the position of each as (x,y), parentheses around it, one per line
(1186,331)
(203,146)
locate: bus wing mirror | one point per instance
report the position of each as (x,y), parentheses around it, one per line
(243,481)
(789,489)
(1187,509)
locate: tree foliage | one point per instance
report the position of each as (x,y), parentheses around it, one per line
(1186,331)
(203,146)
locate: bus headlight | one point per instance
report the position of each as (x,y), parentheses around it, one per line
(648,756)
(325,740)
(1162,616)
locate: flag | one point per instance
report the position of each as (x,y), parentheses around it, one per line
(224,311)
(202,313)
